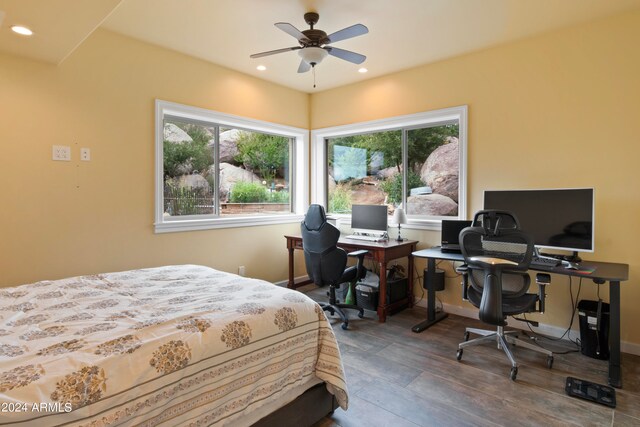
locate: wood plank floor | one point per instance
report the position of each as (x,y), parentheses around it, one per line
(399,378)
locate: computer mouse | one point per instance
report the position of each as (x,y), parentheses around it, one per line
(570,265)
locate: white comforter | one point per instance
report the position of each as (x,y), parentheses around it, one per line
(177,345)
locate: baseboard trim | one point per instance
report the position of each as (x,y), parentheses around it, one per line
(549,330)
(472,313)
(284,283)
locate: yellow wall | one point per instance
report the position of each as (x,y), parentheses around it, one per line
(559,110)
(66,218)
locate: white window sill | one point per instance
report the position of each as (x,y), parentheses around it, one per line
(213,223)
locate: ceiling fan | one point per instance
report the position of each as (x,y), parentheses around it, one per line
(314,43)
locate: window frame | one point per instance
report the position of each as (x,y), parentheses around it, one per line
(299,161)
(319,162)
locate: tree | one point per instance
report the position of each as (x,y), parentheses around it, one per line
(267,155)
(194,153)
(422,142)
(388,144)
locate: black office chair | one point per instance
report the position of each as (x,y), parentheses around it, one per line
(497,255)
(326,263)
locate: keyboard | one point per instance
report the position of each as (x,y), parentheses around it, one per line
(367,238)
(545,262)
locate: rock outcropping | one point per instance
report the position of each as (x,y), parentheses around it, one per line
(173,133)
(442,169)
(431,204)
(229,175)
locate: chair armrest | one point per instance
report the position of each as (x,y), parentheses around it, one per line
(360,263)
(360,253)
(464,270)
(542,280)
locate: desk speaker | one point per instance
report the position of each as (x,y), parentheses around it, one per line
(438,285)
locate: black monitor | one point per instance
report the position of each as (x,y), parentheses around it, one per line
(556,218)
(368,218)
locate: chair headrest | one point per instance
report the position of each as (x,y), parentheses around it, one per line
(315,218)
(494,222)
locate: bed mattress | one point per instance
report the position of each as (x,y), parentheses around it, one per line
(177,345)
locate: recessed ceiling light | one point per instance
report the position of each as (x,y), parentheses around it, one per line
(362,70)
(261,68)
(21,30)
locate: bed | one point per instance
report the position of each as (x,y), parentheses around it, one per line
(176,345)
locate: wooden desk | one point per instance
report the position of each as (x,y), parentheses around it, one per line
(599,272)
(381,252)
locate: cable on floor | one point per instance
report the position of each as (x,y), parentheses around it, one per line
(574,307)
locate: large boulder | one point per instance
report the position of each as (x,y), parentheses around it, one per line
(388,172)
(442,169)
(228,145)
(432,205)
(173,133)
(192,181)
(229,175)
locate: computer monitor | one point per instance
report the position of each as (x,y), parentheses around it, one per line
(556,218)
(369,218)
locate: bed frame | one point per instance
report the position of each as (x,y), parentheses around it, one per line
(308,408)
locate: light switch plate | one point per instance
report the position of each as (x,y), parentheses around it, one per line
(62,153)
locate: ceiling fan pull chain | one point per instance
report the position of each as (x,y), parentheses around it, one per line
(313,70)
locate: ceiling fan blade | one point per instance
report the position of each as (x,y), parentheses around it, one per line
(273,52)
(347,55)
(347,33)
(292,31)
(304,67)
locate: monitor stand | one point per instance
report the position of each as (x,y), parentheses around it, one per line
(574,257)
(541,255)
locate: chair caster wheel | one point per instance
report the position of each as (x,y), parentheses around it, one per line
(514,373)
(549,362)
(466,336)
(361,314)
(459,354)
(345,326)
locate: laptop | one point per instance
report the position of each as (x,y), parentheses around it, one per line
(450,232)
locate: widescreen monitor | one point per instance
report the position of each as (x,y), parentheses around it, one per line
(368,218)
(556,218)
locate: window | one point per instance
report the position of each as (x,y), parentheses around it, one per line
(416,161)
(217,170)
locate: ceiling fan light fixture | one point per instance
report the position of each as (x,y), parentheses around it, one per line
(313,55)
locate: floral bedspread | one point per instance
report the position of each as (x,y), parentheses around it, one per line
(176,345)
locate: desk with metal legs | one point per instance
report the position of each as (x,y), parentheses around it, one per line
(599,272)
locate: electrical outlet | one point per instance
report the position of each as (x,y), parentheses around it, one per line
(85,154)
(241,270)
(62,153)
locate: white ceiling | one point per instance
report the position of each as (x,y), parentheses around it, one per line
(402,33)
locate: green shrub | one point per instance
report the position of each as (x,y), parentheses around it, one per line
(248,192)
(393,186)
(267,155)
(279,197)
(340,199)
(195,153)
